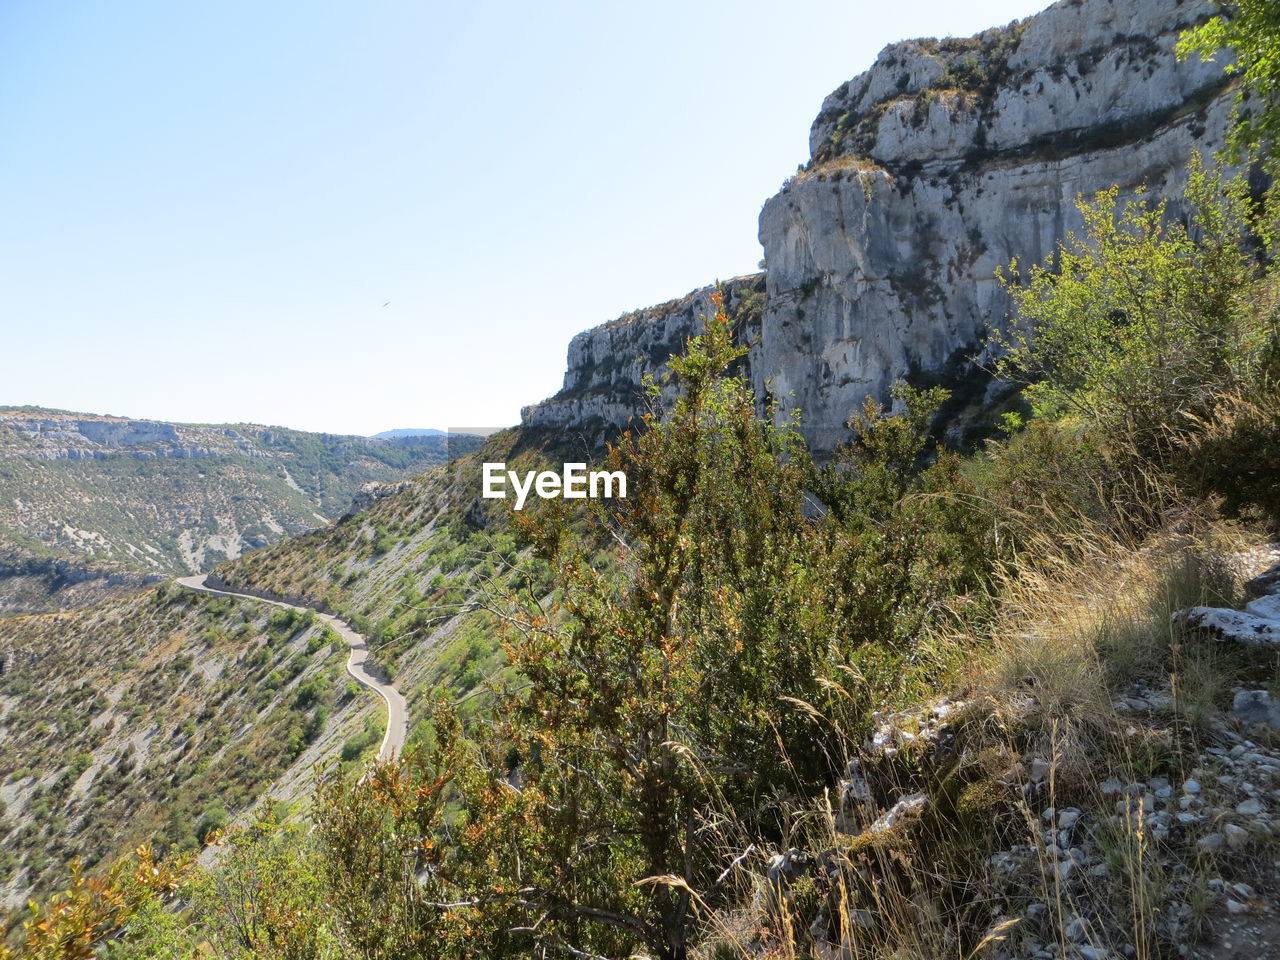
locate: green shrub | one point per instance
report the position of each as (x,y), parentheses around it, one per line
(716,656)
(1139,327)
(212,817)
(1153,348)
(358,743)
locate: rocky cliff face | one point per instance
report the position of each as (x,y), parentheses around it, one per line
(946,160)
(54,436)
(603,386)
(927,172)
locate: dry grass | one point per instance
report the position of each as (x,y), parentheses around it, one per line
(1086,619)
(846,164)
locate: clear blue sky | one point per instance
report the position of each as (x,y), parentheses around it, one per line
(205,207)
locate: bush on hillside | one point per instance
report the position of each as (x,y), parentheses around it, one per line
(1154,343)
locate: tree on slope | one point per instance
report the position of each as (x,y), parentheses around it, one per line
(1251,30)
(717,635)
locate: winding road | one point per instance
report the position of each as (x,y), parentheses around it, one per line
(397,713)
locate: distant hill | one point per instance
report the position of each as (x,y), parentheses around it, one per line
(409,432)
(165,498)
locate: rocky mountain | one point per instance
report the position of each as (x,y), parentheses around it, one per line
(167,498)
(603,385)
(939,164)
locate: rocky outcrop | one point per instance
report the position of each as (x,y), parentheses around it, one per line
(31,583)
(1257,623)
(48,435)
(373,491)
(928,172)
(947,160)
(604,383)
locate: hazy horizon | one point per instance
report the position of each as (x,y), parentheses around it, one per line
(389,433)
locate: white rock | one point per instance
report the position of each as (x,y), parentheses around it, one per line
(850,304)
(1229,624)
(1111,787)
(1236,836)
(1210,842)
(1252,707)
(1267,607)
(903,808)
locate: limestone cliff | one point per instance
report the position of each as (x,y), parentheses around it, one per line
(603,385)
(944,161)
(927,172)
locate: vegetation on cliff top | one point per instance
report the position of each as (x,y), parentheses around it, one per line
(1248,28)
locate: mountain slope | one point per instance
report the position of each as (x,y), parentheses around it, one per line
(36,580)
(174,498)
(418,566)
(162,712)
(158,715)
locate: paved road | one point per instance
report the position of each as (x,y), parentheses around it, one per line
(397,713)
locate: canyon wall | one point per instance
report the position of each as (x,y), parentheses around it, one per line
(942,162)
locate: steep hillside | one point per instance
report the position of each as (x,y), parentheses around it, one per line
(419,570)
(912,704)
(159,715)
(170,498)
(942,162)
(39,581)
